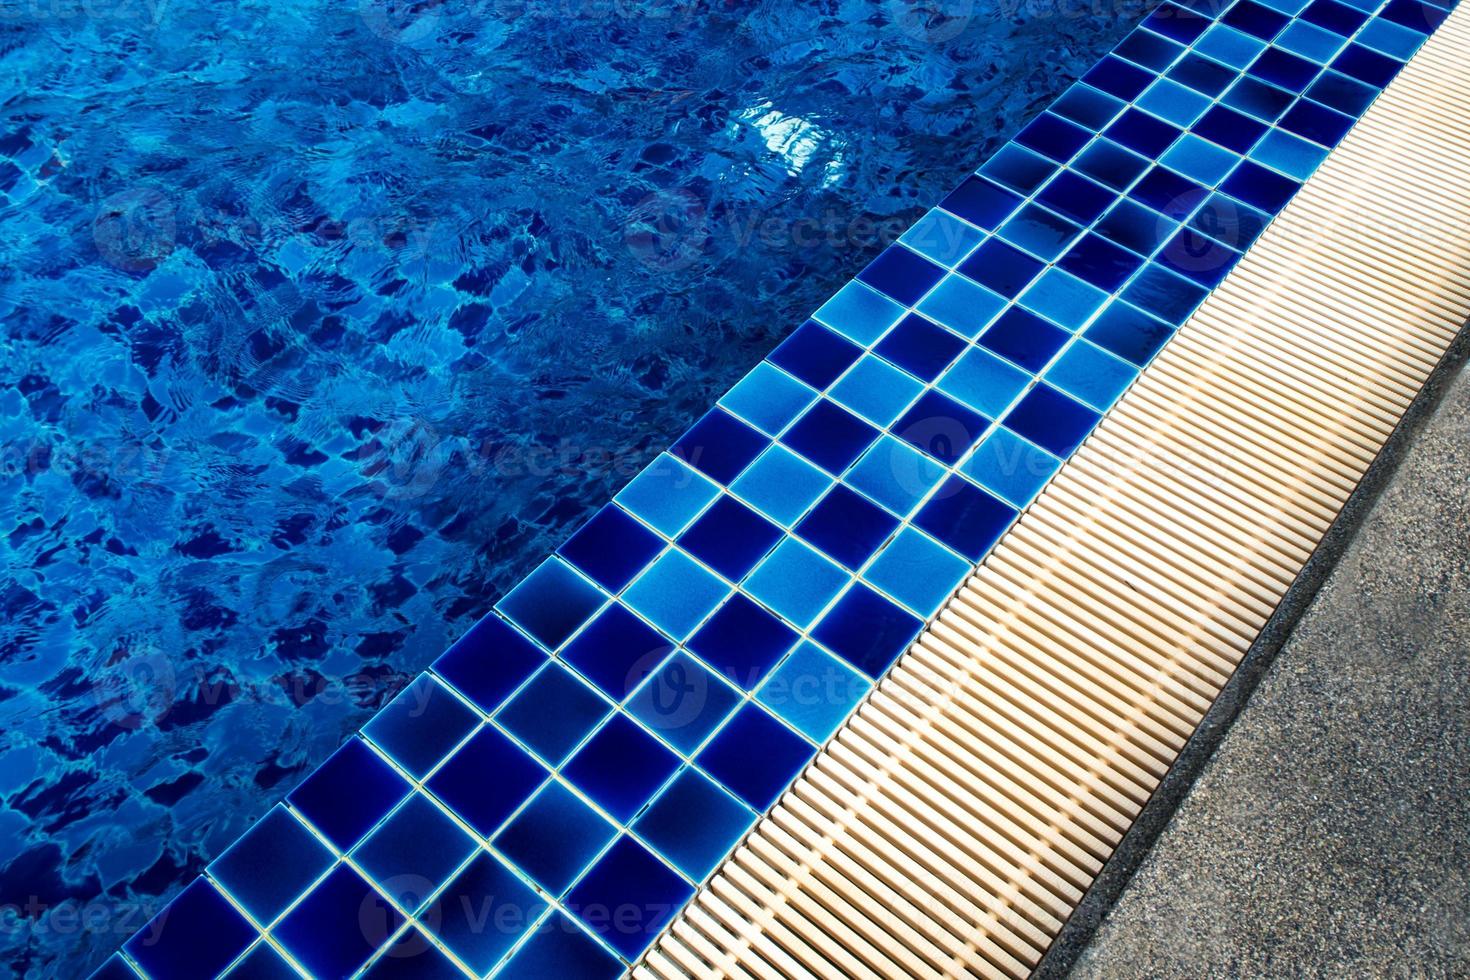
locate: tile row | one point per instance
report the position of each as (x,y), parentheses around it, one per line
(546,798)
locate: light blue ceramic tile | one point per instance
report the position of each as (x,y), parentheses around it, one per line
(1010,466)
(895,474)
(965,307)
(876,390)
(1063,299)
(796,581)
(675,593)
(942,237)
(1092,375)
(781,485)
(984,381)
(813,691)
(768,398)
(668,494)
(859,313)
(918,571)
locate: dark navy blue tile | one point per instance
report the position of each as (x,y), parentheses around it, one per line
(1259,187)
(1087,106)
(1203,75)
(489,661)
(1119,78)
(1054,136)
(921,347)
(1053,421)
(483,911)
(1198,257)
(268,867)
(1342,93)
(1317,123)
(1134,226)
(611,548)
(198,934)
(867,629)
(1257,99)
(1174,21)
(338,926)
(1109,163)
(1160,292)
(414,851)
(941,426)
(830,436)
(1421,17)
(551,603)
(616,651)
(965,517)
(981,202)
(755,756)
(555,837)
(1336,17)
(1230,221)
(1368,66)
(1256,19)
(485,803)
(815,354)
(1284,69)
(552,713)
(721,446)
(1003,268)
(1168,193)
(411,956)
(731,537)
(1232,130)
(846,526)
(419,726)
(902,274)
(348,793)
(1142,133)
(1077,197)
(628,878)
(559,948)
(683,702)
(1018,169)
(1148,49)
(743,641)
(1040,232)
(621,767)
(694,823)
(1025,339)
(1100,262)
(1130,333)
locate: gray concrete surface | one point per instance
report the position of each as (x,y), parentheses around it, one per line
(1329,833)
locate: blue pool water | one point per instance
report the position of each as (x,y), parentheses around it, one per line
(323,323)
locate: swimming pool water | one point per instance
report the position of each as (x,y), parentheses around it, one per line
(323,323)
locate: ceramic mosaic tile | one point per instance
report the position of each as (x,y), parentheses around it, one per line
(544,800)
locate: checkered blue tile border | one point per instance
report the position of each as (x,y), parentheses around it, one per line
(546,798)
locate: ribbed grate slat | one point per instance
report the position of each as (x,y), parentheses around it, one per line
(956,820)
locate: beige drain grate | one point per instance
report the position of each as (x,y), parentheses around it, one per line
(951,827)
